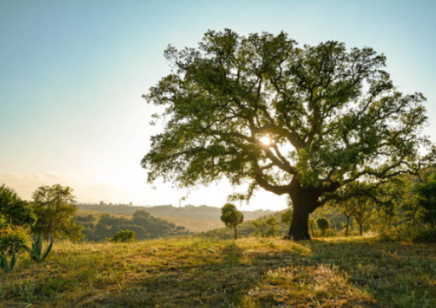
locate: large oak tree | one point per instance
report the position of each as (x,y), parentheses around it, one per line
(302,121)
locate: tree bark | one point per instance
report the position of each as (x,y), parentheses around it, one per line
(347,226)
(299,227)
(304,202)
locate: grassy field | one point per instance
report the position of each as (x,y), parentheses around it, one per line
(192,224)
(188,272)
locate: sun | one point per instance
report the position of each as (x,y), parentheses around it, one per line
(266,140)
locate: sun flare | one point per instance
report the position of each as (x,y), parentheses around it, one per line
(266,140)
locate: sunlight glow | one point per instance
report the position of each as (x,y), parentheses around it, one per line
(266,140)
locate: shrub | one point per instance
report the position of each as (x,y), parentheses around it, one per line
(323,224)
(425,235)
(266,227)
(12,240)
(426,197)
(286,217)
(124,236)
(273,227)
(3,222)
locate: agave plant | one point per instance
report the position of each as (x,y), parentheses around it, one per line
(36,252)
(6,265)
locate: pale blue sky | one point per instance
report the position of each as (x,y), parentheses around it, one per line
(72,74)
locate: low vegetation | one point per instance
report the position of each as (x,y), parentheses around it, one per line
(193,272)
(142,223)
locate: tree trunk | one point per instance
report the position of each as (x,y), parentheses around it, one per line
(361,229)
(347,226)
(304,201)
(299,227)
(236,234)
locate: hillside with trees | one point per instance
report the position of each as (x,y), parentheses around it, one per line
(200,212)
(142,223)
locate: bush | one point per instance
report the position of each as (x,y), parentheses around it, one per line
(13,238)
(425,235)
(323,224)
(124,236)
(3,222)
(426,196)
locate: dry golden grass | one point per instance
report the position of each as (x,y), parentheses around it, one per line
(194,272)
(194,224)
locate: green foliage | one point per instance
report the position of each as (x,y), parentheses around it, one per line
(13,209)
(36,252)
(272,226)
(3,221)
(266,227)
(332,115)
(426,198)
(142,223)
(124,236)
(286,217)
(12,240)
(323,224)
(231,217)
(202,211)
(425,235)
(54,207)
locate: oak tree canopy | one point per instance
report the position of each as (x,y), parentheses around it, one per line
(303,121)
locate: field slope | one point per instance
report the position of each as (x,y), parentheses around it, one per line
(191,224)
(192,272)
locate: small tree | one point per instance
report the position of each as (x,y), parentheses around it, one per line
(361,210)
(345,209)
(272,226)
(124,236)
(231,217)
(55,210)
(323,224)
(259,227)
(14,210)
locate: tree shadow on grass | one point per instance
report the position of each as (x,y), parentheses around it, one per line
(239,277)
(397,275)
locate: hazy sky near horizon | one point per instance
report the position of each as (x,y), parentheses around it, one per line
(72,74)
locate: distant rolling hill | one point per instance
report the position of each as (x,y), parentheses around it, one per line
(200,212)
(191,224)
